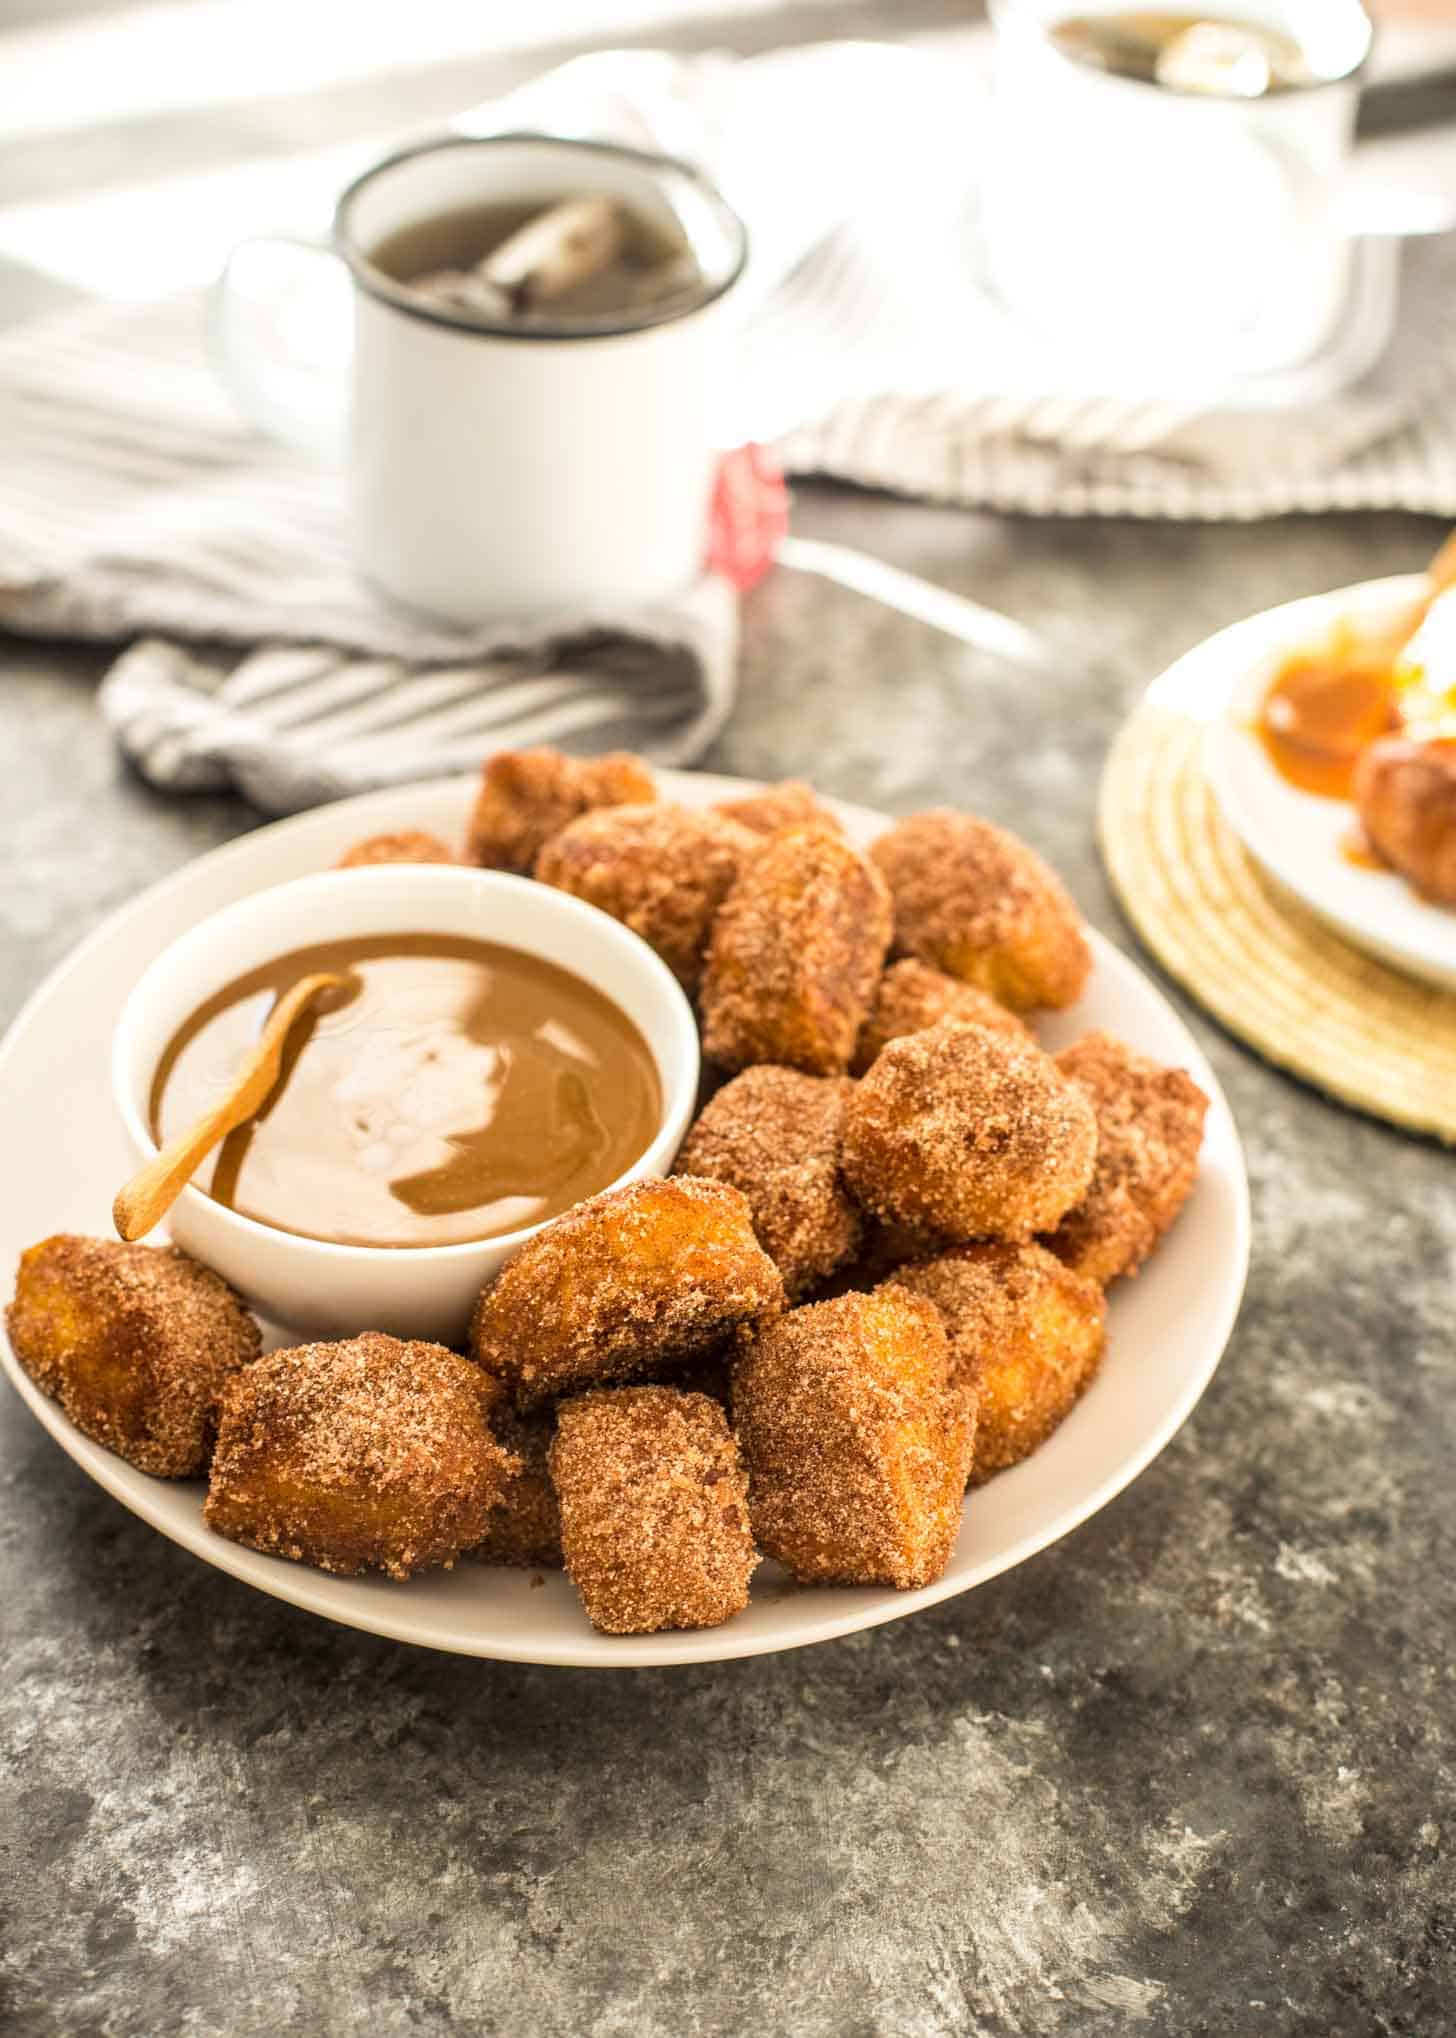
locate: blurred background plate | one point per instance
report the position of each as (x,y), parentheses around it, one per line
(1298,836)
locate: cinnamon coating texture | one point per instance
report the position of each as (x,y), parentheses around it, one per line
(974,900)
(1149,1131)
(967,1134)
(654,1512)
(405,845)
(911,996)
(661,870)
(637,1281)
(794,955)
(1026,1339)
(857,1444)
(524,1528)
(785,805)
(527,796)
(372,1454)
(136,1343)
(774,1133)
(1406,795)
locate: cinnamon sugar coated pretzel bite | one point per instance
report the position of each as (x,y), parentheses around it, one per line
(524,1527)
(784,805)
(372,1454)
(654,1514)
(136,1343)
(635,1281)
(527,796)
(1026,1338)
(794,955)
(774,1133)
(1405,792)
(967,1134)
(911,996)
(661,870)
(1149,1131)
(974,900)
(405,845)
(857,1445)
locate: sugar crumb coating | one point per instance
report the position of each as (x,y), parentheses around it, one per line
(911,996)
(858,1446)
(375,1453)
(135,1342)
(654,1509)
(634,1282)
(974,900)
(661,870)
(794,955)
(785,805)
(774,1133)
(404,845)
(967,1134)
(526,796)
(1149,1131)
(524,1528)
(1026,1339)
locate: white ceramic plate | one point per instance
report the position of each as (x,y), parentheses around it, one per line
(1297,836)
(1168,1327)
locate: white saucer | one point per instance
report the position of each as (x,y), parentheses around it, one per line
(1297,836)
(1168,1328)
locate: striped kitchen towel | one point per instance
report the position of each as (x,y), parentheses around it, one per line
(137,509)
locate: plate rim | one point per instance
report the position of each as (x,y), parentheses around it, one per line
(1350,908)
(301,1586)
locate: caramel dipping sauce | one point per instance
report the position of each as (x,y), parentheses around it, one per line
(1322,710)
(455,1090)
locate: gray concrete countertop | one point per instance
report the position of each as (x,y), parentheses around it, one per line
(1190,1772)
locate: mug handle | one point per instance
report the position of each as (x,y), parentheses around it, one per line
(283,352)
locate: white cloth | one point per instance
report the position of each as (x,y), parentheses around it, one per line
(136,507)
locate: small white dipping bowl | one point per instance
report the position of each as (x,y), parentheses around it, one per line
(327,1290)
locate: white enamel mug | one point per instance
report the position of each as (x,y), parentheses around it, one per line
(497,471)
(1183,237)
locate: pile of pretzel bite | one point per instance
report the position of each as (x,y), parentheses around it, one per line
(876,1277)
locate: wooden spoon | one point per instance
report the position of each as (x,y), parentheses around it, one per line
(152,1191)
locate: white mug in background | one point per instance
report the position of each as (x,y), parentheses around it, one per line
(498,470)
(1172,234)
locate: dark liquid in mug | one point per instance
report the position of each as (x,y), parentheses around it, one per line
(653,267)
(454,1090)
(1136,43)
